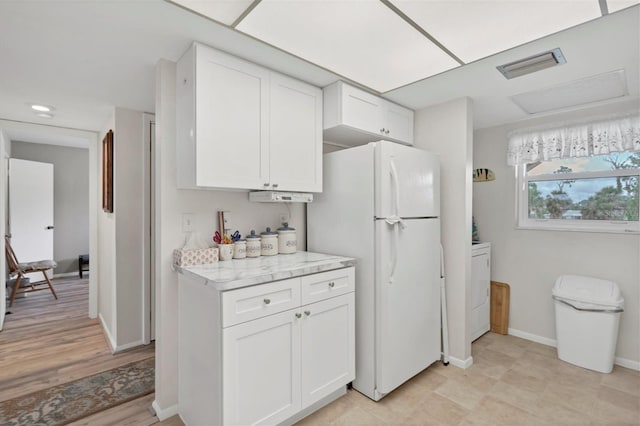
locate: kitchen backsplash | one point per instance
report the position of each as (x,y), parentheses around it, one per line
(245,215)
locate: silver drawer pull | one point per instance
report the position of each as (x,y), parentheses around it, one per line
(267,301)
(265,184)
(307,313)
(275,185)
(298,315)
(332,284)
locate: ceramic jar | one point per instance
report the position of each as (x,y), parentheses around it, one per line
(253,244)
(268,243)
(287,240)
(240,249)
(225,251)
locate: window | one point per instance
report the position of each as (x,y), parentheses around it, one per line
(597,193)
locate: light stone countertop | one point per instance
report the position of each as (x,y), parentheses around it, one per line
(237,273)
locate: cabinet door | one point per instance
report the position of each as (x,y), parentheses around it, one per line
(399,122)
(328,347)
(261,374)
(362,110)
(232,134)
(295,161)
(480,306)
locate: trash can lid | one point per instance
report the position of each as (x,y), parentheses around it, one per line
(588,290)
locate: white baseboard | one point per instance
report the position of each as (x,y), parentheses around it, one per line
(460,363)
(128,346)
(110,340)
(627,363)
(164,413)
(622,362)
(533,337)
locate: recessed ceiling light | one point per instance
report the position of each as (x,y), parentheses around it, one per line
(42,108)
(596,88)
(44,115)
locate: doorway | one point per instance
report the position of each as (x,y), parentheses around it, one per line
(51,137)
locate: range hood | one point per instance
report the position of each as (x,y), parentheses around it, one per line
(280,197)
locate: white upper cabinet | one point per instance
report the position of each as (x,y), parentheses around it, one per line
(355,117)
(295,161)
(242,126)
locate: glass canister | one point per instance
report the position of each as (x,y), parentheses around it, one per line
(253,244)
(268,243)
(287,240)
(240,249)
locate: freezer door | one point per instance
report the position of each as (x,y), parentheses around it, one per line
(407,181)
(407,304)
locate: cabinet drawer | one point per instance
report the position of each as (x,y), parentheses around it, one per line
(327,284)
(249,303)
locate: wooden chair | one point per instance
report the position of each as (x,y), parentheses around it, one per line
(19,269)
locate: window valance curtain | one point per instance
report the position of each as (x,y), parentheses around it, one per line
(578,140)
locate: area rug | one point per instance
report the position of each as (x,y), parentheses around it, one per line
(71,401)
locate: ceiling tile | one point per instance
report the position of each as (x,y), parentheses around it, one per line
(225,11)
(615,5)
(362,40)
(474,29)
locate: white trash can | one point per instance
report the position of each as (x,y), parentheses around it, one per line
(587,318)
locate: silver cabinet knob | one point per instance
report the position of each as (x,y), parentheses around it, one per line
(382,130)
(307,313)
(386,132)
(267,301)
(275,185)
(265,184)
(298,315)
(332,284)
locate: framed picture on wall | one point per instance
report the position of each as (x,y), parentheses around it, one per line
(107,172)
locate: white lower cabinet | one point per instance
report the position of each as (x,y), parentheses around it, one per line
(270,354)
(480,289)
(327,347)
(261,375)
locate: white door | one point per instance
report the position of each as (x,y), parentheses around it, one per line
(261,375)
(31,211)
(4,182)
(407,300)
(295,159)
(328,347)
(407,181)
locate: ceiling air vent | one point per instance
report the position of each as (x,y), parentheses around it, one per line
(532,64)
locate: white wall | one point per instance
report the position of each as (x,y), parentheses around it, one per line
(446,130)
(106,253)
(530,261)
(170,204)
(122,235)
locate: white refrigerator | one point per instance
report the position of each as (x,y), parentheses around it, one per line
(381,205)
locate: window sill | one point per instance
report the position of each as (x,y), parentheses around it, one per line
(548,227)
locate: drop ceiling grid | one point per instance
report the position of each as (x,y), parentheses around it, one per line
(476,29)
(362,40)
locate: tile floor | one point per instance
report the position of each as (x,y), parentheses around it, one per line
(512,382)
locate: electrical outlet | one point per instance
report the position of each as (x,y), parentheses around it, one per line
(284,217)
(188,222)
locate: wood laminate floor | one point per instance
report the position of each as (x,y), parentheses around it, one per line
(46,342)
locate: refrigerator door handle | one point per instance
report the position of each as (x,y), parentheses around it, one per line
(396,186)
(394,221)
